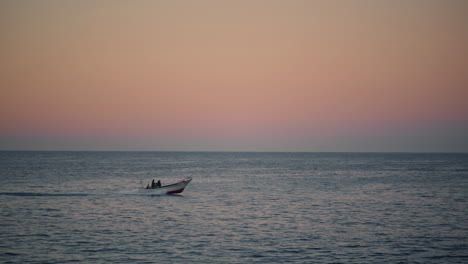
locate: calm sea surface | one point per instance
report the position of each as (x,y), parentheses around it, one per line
(86,207)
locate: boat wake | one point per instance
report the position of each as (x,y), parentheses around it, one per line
(43,194)
(132,192)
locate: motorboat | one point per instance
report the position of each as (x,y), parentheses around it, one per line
(171,188)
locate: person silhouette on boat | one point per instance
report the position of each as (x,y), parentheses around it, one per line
(155,185)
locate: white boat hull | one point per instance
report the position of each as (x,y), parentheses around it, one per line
(172,188)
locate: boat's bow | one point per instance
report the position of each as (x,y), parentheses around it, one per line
(177,187)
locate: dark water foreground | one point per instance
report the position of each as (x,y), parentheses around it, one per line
(85,207)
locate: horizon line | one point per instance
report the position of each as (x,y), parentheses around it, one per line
(237,151)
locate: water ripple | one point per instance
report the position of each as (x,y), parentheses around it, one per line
(240,208)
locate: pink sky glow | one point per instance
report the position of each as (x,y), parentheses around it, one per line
(234,75)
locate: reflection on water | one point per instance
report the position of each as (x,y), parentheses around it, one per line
(59,207)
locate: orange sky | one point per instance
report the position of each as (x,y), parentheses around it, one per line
(234,75)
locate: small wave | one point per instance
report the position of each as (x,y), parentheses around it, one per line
(42,194)
(12,253)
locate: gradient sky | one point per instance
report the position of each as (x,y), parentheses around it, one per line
(270,75)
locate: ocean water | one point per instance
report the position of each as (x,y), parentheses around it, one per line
(87,207)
